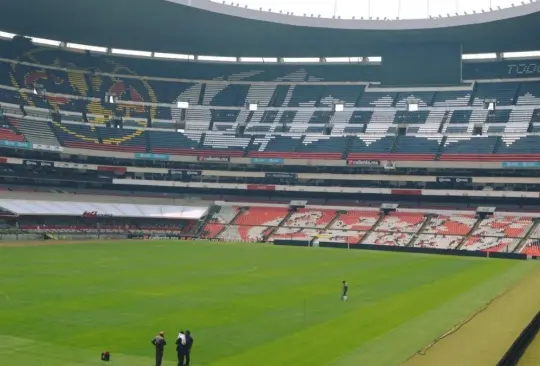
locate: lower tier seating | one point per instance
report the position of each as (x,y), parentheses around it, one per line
(244,233)
(262,216)
(437,241)
(450,225)
(404,222)
(311,218)
(504,226)
(356,220)
(531,247)
(387,238)
(491,244)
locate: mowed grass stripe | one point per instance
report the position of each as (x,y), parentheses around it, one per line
(247,304)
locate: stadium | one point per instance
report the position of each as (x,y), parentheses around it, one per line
(224,167)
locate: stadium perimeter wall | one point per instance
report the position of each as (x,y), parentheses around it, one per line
(387,248)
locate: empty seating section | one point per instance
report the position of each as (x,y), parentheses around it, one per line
(356,220)
(123,139)
(236,233)
(417,145)
(226,95)
(387,238)
(467,147)
(326,147)
(531,247)
(311,218)
(504,226)
(452,99)
(328,236)
(322,117)
(503,93)
(226,115)
(461,116)
(210,231)
(529,93)
(516,144)
(450,225)
(229,145)
(371,144)
(174,142)
(377,100)
(424,99)
(405,222)
(406,117)
(490,244)
(274,145)
(261,216)
(437,241)
(224,215)
(7,132)
(306,95)
(346,94)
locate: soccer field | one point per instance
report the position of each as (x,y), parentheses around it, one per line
(245,304)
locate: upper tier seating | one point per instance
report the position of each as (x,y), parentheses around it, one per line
(305,95)
(377,99)
(437,241)
(175,142)
(451,99)
(490,244)
(529,93)
(503,93)
(450,225)
(504,226)
(262,216)
(356,220)
(405,222)
(311,218)
(515,144)
(347,94)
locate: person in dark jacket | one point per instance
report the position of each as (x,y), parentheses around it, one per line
(189,344)
(160,343)
(181,348)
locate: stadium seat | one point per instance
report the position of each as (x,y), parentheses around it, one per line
(261,216)
(404,222)
(490,244)
(311,218)
(437,241)
(504,226)
(356,220)
(450,225)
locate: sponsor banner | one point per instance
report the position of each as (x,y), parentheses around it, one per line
(267,161)
(260,187)
(185,174)
(47,147)
(95,214)
(45,164)
(289,176)
(151,156)
(454,180)
(114,169)
(3,160)
(16,144)
(363,162)
(73,166)
(521,164)
(214,159)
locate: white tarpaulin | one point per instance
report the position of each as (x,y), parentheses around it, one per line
(31,207)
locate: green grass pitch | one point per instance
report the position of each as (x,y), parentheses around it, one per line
(246,304)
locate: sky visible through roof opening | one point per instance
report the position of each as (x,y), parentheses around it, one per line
(392,9)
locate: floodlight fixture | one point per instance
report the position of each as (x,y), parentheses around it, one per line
(339,107)
(182,104)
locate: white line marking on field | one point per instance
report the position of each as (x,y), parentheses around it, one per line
(5,295)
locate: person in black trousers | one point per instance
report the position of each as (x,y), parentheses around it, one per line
(181,348)
(189,344)
(160,343)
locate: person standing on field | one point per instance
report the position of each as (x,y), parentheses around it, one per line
(160,343)
(189,344)
(181,348)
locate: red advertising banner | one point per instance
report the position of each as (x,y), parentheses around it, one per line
(260,187)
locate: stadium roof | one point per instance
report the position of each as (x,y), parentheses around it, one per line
(204,27)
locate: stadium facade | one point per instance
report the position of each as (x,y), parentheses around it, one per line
(454,143)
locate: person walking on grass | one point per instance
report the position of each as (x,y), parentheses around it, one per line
(181,348)
(189,344)
(159,343)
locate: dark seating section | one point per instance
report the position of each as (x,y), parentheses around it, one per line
(498,116)
(361,117)
(417,145)
(424,99)
(174,143)
(377,99)
(529,93)
(504,93)
(460,116)
(467,147)
(233,95)
(519,145)
(347,94)
(306,95)
(411,117)
(449,99)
